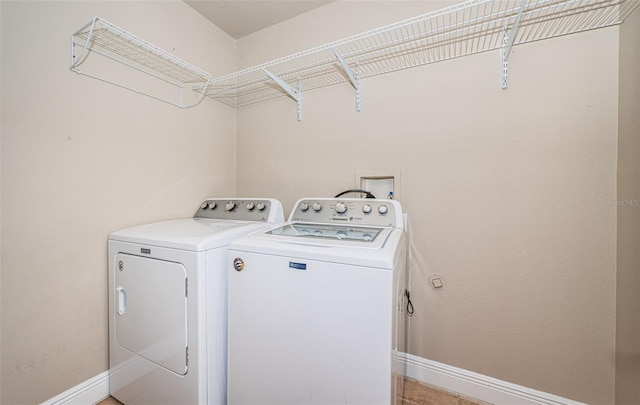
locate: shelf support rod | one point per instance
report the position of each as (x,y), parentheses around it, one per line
(353,76)
(295,94)
(507,43)
(77,61)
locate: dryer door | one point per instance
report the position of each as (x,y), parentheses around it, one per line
(151,309)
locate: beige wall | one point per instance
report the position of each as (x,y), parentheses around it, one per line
(628,202)
(509,191)
(81,158)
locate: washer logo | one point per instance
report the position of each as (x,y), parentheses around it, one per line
(238,264)
(145,251)
(298,266)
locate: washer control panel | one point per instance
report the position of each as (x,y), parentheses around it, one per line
(253,209)
(354,211)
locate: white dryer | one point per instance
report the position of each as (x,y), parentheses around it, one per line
(168,303)
(316,306)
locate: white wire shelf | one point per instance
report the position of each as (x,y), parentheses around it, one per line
(467,28)
(106,39)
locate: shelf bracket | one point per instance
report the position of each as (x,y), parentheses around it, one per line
(295,94)
(352,75)
(507,43)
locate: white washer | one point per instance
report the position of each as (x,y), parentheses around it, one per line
(316,306)
(168,303)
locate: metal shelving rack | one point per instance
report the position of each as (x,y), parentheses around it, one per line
(104,38)
(464,29)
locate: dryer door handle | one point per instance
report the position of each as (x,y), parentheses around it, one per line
(121,297)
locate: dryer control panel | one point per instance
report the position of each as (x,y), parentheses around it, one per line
(352,211)
(241,209)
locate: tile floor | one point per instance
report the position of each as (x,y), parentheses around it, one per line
(415,393)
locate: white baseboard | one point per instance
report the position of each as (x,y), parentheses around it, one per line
(91,391)
(476,385)
(430,372)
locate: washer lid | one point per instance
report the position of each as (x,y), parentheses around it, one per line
(383,252)
(334,235)
(193,234)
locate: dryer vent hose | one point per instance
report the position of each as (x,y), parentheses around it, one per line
(356,190)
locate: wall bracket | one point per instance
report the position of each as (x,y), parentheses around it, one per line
(352,75)
(295,94)
(507,43)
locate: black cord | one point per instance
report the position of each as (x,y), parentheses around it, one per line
(356,190)
(409,304)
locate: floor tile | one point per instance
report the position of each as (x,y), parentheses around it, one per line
(420,394)
(109,401)
(470,401)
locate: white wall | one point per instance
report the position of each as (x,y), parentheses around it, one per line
(509,191)
(81,158)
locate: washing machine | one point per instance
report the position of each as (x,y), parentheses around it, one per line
(168,302)
(317,306)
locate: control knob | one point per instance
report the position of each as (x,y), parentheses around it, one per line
(250,206)
(366,208)
(211,205)
(304,207)
(230,206)
(383,209)
(317,207)
(341,208)
(260,206)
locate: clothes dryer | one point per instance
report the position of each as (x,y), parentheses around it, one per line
(168,303)
(316,306)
